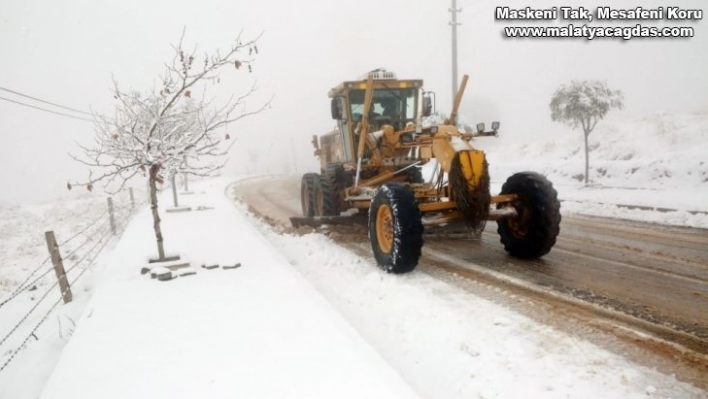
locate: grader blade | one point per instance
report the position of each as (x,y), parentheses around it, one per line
(318,221)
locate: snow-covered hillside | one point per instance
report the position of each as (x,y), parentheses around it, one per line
(659,151)
(652,169)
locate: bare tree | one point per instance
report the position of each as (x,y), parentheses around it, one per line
(583,104)
(170,129)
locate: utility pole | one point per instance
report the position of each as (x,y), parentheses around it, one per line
(453,23)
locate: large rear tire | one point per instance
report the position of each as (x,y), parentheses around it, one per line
(533,231)
(395,228)
(308,186)
(332,184)
(319,198)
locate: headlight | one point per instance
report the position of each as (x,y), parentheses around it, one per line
(434,129)
(480,127)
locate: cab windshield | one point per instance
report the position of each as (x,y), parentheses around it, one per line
(396,104)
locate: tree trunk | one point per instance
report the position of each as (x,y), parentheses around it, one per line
(154,169)
(587,159)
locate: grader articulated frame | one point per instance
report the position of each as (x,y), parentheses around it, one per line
(371,166)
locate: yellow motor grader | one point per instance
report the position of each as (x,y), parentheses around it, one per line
(372,162)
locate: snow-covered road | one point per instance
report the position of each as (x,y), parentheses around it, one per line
(654,275)
(446,340)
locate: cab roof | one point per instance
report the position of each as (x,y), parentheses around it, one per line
(378,84)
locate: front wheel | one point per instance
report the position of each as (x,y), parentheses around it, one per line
(533,231)
(395,228)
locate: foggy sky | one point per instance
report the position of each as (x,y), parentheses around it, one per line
(67,51)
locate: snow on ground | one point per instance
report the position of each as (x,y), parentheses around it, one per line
(28,288)
(247,325)
(448,343)
(256,331)
(303,317)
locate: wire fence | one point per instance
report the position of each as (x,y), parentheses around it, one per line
(83,248)
(23,285)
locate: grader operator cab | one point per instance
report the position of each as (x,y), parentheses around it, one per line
(372,162)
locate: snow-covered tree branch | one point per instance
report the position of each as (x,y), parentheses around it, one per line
(173,128)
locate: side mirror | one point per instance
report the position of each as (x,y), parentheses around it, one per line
(336,108)
(427,105)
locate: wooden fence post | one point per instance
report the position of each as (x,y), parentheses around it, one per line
(186,179)
(132,198)
(58,266)
(174,189)
(112,215)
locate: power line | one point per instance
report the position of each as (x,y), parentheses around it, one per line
(46,102)
(46,110)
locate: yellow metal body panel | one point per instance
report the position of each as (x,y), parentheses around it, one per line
(446,217)
(442,147)
(382,178)
(437,206)
(390,136)
(503,198)
(361,204)
(365,117)
(426,152)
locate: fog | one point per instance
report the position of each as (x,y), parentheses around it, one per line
(67,52)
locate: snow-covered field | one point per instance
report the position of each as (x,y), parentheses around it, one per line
(304,317)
